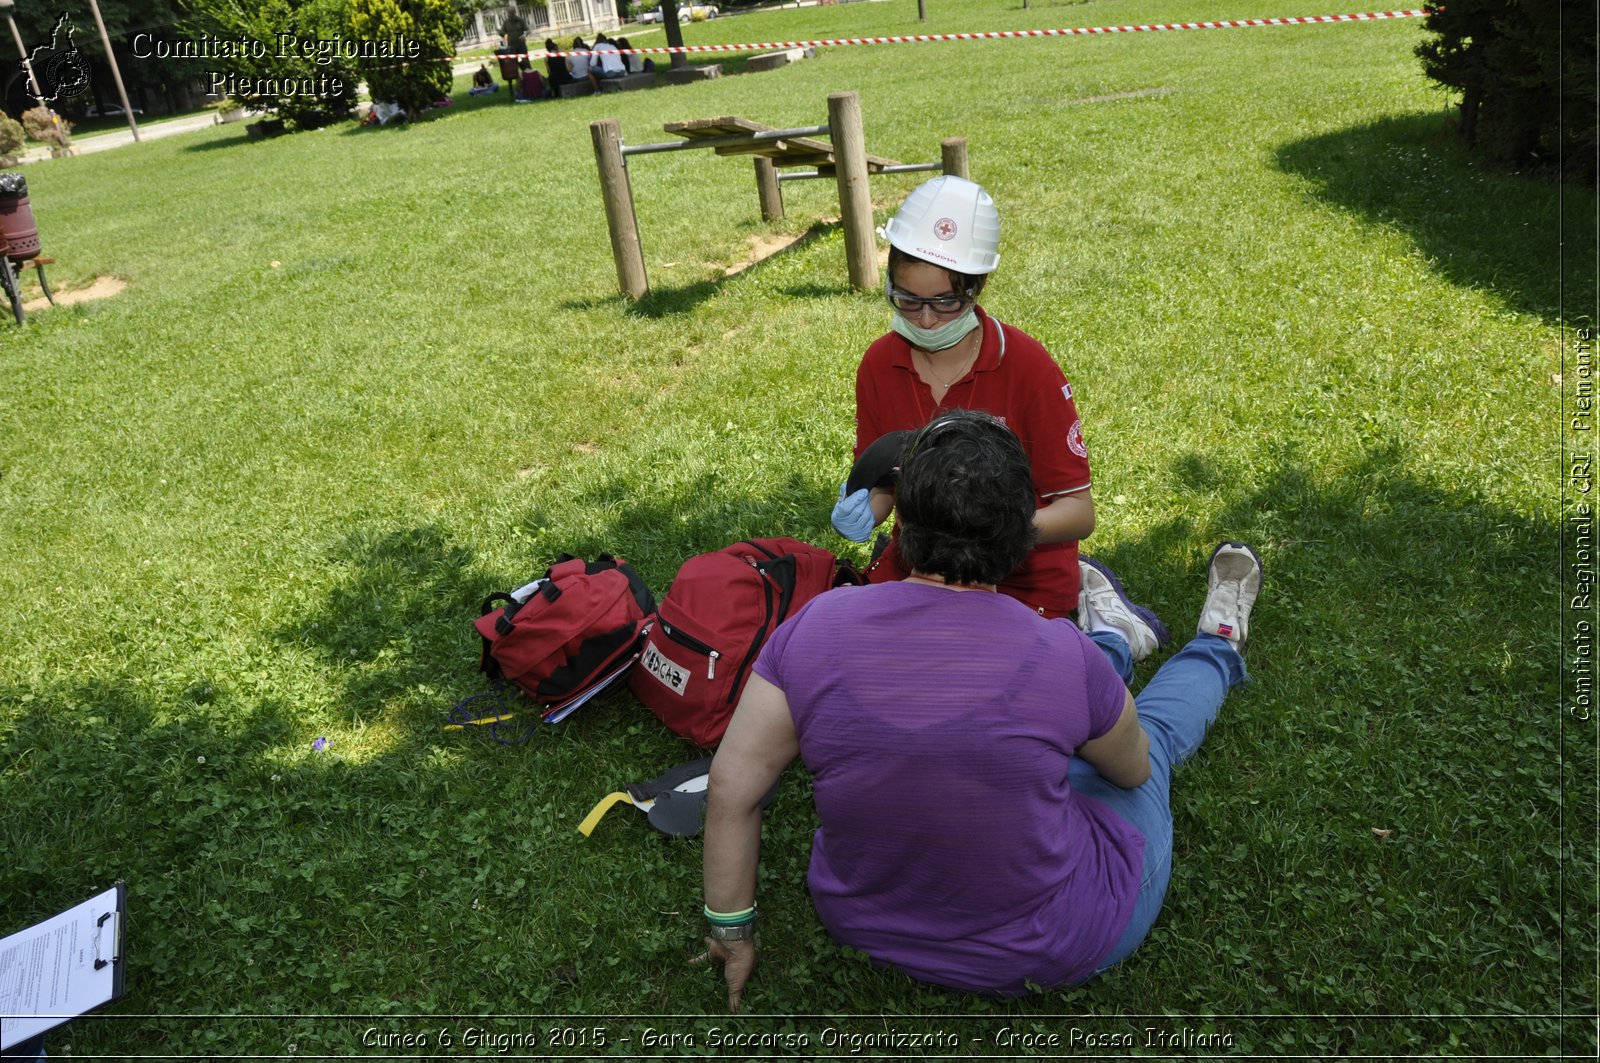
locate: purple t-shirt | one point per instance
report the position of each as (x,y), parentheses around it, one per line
(938,726)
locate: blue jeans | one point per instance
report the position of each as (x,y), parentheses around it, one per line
(1176,707)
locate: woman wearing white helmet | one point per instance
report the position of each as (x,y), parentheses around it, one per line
(945,353)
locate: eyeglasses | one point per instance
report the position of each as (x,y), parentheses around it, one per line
(943,305)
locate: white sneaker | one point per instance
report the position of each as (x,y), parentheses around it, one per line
(1235,582)
(1102,603)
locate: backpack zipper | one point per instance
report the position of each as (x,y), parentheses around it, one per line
(761,635)
(683,638)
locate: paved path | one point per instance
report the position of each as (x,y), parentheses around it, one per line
(104,141)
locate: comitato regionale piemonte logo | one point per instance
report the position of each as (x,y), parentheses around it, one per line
(59,69)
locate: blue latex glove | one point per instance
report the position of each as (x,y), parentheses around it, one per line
(852,516)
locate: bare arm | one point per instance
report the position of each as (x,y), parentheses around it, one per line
(881,499)
(759,744)
(1066,518)
(1122,754)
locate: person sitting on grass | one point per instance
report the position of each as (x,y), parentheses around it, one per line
(482,82)
(944,351)
(994,804)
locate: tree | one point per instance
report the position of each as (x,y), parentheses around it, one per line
(428,29)
(147,77)
(669,19)
(1525,71)
(291,73)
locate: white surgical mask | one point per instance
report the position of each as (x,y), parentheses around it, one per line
(941,338)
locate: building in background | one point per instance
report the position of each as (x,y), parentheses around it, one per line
(558,19)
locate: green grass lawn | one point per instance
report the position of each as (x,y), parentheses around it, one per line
(362,377)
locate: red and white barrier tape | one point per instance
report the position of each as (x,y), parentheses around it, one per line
(923,38)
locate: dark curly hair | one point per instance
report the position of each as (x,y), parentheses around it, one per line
(965,499)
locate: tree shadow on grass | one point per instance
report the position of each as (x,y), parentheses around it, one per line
(1403,702)
(818,291)
(270,877)
(1479,229)
(395,615)
(660,531)
(227,142)
(1399,684)
(1359,557)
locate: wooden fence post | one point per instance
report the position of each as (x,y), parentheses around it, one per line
(768,189)
(855,197)
(620,219)
(953,152)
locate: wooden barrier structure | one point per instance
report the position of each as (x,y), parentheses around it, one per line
(845,160)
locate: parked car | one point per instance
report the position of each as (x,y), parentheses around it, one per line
(112,111)
(686,13)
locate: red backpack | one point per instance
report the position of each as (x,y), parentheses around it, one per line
(559,635)
(714,620)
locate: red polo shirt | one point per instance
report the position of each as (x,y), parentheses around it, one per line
(1015,379)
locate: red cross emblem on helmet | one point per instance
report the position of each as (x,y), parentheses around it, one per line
(944,229)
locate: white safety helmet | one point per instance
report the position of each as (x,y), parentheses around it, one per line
(950,222)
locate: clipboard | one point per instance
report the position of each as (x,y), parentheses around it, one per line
(62,967)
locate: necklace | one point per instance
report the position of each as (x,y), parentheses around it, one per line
(961,367)
(976,339)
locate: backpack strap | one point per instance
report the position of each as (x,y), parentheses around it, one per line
(636,586)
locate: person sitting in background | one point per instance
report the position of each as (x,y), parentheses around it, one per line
(578,61)
(532,84)
(555,67)
(994,804)
(605,63)
(630,58)
(482,82)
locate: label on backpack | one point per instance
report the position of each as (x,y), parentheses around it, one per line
(659,665)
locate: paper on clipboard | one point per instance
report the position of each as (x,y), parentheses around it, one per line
(561,712)
(62,967)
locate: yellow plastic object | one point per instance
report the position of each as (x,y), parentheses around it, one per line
(592,820)
(481,721)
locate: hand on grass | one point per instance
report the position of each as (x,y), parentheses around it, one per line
(738,959)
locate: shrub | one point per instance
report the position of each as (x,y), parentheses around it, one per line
(433,24)
(46,127)
(1525,71)
(11,137)
(292,82)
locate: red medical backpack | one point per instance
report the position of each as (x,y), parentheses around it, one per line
(720,610)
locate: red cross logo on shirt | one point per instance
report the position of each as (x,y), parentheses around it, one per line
(944,229)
